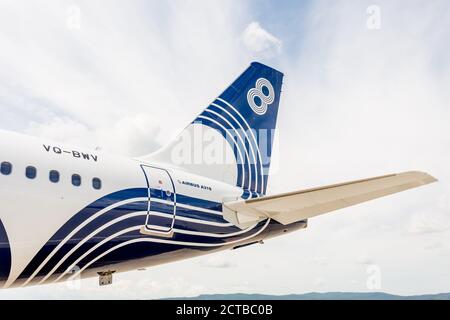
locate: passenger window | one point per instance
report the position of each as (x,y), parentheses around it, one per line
(76,180)
(96,183)
(30,172)
(54,176)
(6,168)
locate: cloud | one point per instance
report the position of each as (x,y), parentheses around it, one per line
(365,259)
(434,246)
(217,261)
(137,286)
(318,282)
(260,42)
(319,260)
(98,85)
(62,129)
(428,223)
(427,220)
(132,135)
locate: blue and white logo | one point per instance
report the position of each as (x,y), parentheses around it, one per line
(261,96)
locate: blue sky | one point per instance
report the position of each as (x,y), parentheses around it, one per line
(358,101)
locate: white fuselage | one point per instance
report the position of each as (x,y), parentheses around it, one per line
(132,218)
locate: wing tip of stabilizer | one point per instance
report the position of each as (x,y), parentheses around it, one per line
(422,177)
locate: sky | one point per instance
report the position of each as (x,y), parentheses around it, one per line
(365,94)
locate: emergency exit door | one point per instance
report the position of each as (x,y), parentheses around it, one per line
(161,202)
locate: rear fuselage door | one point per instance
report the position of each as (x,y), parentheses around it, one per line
(161,202)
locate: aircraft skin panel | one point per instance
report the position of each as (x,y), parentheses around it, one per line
(58,222)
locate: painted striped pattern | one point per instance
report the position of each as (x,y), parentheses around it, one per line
(226,119)
(108,231)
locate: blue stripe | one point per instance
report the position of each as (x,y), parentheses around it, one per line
(115,213)
(138,221)
(5,254)
(76,220)
(96,206)
(162,207)
(196,202)
(161,194)
(191,201)
(244,148)
(240,166)
(188,213)
(152,248)
(195,214)
(90,227)
(233,129)
(109,216)
(124,224)
(253,143)
(245,194)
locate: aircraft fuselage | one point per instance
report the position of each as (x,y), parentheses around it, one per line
(70,212)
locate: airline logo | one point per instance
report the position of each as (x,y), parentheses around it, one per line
(261,96)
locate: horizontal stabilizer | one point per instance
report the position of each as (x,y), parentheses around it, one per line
(300,205)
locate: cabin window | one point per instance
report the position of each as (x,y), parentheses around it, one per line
(30,172)
(54,176)
(6,168)
(96,183)
(76,180)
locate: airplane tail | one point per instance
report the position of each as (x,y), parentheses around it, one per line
(232,139)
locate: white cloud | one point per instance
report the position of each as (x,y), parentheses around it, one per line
(112,88)
(318,282)
(434,246)
(319,260)
(137,285)
(132,135)
(428,223)
(260,42)
(364,259)
(62,129)
(217,261)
